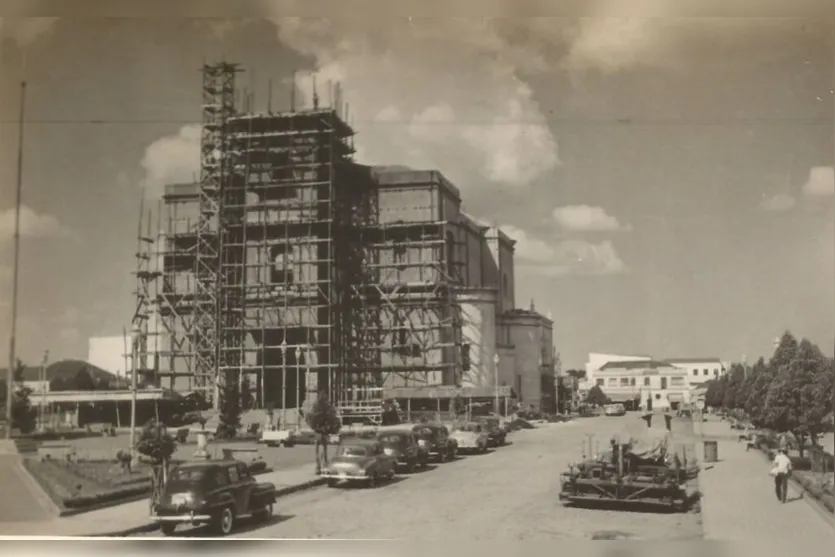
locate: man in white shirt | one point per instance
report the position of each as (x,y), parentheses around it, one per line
(781,471)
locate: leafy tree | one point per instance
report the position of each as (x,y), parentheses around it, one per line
(324,421)
(743,395)
(715,394)
(597,396)
(755,405)
(155,443)
(82,381)
(735,378)
(24,417)
(809,372)
(576,373)
(230,407)
(57,384)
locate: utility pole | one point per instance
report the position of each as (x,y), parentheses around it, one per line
(15,271)
(44,388)
(133,397)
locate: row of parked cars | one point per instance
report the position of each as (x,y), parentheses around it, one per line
(370,455)
(221,492)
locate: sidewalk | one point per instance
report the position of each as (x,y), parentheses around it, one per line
(133,517)
(738,501)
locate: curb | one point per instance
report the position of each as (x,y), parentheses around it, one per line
(150,527)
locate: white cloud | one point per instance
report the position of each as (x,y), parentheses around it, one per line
(585,218)
(32,225)
(172,159)
(529,248)
(27,30)
(778,202)
(441,93)
(821,182)
(566,257)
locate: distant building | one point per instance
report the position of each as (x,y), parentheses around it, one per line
(596,361)
(699,370)
(644,384)
(108,353)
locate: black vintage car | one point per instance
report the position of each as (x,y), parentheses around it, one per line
(496,435)
(212,492)
(435,438)
(401,443)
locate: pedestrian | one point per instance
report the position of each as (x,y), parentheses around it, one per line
(781,471)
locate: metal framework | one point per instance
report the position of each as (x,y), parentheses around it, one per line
(277,272)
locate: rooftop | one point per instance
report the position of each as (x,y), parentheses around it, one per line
(639,364)
(711,359)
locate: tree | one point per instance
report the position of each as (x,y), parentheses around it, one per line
(808,372)
(597,396)
(82,381)
(735,378)
(743,395)
(324,421)
(715,394)
(57,384)
(230,407)
(24,417)
(576,373)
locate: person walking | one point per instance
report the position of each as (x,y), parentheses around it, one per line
(781,471)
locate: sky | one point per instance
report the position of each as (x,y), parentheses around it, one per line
(669,182)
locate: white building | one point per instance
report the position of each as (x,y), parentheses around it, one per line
(646,384)
(596,361)
(108,353)
(699,370)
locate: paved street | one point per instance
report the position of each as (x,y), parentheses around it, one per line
(509,494)
(29,504)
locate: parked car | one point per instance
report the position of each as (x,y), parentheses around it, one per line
(614,410)
(495,433)
(402,444)
(360,459)
(471,438)
(212,492)
(436,440)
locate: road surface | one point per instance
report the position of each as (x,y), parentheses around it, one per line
(508,494)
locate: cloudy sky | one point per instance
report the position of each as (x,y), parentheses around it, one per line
(669,181)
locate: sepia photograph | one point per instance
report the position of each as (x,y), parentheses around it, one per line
(421,278)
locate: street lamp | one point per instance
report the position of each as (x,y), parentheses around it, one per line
(496,380)
(307,367)
(283,348)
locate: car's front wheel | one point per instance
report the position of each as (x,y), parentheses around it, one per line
(168,528)
(225,521)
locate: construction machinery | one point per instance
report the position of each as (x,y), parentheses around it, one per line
(630,477)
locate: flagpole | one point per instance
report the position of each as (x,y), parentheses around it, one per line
(15,273)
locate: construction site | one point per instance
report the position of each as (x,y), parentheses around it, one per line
(291,269)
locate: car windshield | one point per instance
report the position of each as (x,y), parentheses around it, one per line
(353,450)
(424,432)
(191,475)
(393,439)
(471,427)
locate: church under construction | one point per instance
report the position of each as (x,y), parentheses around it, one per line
(291,268)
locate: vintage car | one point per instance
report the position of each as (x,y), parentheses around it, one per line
(471,438)
(401,443)
(435,439)
(614,410)
(495,433)
(217,492)
(359,459)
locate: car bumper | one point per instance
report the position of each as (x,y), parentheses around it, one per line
(344,477)
(190,517)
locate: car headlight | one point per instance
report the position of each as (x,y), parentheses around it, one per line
(388,452)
